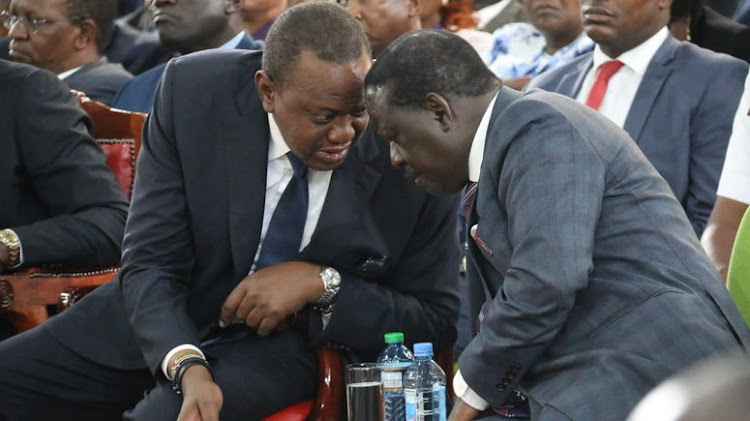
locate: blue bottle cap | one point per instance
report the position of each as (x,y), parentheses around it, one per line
(423,349)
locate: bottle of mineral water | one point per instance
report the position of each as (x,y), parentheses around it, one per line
(393,362)
(424,387)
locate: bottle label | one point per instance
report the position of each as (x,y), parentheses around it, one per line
(391,379)
(410,400)
(425,404)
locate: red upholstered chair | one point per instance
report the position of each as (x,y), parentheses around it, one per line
(28,294)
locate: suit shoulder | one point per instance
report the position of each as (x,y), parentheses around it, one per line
(702,57)
(17,75)
(549,79)
(217,58)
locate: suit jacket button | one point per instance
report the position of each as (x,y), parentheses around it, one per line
(506,381)
(500,388)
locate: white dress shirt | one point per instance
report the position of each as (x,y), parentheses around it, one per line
(67,73)
(476,156)
(279,172)
(623,86)
(735,176)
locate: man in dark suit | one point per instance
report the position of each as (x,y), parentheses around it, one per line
(691,20)
(187,26)
(67,37)
(662,92)
(601,289)
(60,202)
(372,253)
(136,50)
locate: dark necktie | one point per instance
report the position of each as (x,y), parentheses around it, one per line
(469,200)
(599,88)
(284,233)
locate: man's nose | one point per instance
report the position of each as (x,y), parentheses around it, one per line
(18,31)
(342,130)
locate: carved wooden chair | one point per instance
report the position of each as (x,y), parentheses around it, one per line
(27,295)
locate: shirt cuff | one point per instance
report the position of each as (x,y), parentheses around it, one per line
(467,395)
(171,354)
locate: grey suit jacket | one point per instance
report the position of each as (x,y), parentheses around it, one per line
(195,223)
(681,116)
(100,80)
(56,191)
(601,289)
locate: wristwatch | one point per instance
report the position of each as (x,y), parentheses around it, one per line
(9,239)
(331,283)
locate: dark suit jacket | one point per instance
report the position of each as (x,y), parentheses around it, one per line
(56,191)
(137,51)
(601,289)
(195,223)
(711,30)
(742,13)
(4,48)
(138,94)
(100,80)
(681,116)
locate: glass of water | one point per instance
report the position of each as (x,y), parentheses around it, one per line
(364,392)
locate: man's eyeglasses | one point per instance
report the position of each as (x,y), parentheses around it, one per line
(31,25)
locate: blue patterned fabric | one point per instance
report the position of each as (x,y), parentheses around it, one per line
(518,50)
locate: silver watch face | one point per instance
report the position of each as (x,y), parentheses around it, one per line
(332,276)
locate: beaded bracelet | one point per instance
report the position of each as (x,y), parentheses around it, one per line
(182,357)
(182,367)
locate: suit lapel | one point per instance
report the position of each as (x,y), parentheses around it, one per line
(653,81)
(352,185)
(570,83)
(246,135)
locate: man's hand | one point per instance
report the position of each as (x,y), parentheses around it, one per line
(202,398)
(269,295)
(462,411)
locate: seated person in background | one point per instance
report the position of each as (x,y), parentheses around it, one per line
(186,26)
(219,231)
(554,36)
(493,14)
(60,201)
(663,92)
(734,190)
(258,16)
(67,37)
(3,7)
(384,21)
(601,289)
(691,20)
(136,50)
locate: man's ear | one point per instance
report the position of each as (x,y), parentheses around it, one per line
(86,35)
(232,6)
(441,110)
(266,89)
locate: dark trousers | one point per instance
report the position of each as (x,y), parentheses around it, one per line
(42,379)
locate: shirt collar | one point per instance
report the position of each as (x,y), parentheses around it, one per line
(476,153)
(638,58)
(277,147)
(67,73)
(235,41)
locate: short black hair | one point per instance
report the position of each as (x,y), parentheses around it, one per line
(681,9)
(325,29)
(427,60)
(102,12)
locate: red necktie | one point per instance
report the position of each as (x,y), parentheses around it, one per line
(599,88)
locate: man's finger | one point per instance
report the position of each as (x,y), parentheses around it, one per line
(229,308)
(254,318)
(267,325)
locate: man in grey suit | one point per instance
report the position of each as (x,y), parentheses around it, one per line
(676,100)
(601,289)
(67,37)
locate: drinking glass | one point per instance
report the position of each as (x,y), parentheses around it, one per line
(364,392)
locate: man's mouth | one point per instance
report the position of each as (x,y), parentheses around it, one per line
(333,156)
(596,14)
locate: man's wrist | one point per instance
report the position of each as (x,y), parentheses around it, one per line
(331,280)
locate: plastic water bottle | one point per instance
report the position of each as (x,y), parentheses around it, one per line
(393,362)
(424,387)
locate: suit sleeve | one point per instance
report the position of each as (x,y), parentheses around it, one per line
(710,129)
(70,177)
(158,245)
(550,187)
(419,297)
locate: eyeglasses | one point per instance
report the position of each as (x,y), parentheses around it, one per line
(31,25)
